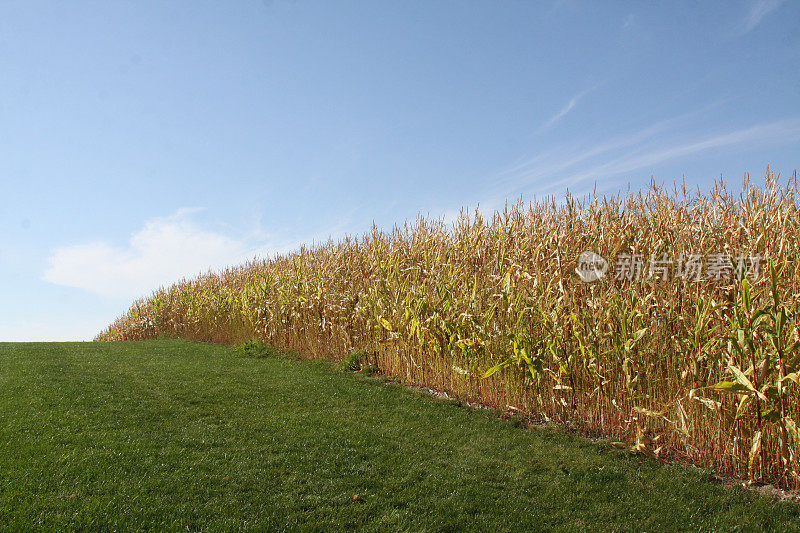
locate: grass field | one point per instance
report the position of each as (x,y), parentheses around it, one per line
(173,435)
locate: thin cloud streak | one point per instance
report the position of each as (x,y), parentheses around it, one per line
(570,166)
(561,114)
(547,164)
(564,110)
(781,131)
(758,11)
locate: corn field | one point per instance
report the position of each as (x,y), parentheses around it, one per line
(491,309)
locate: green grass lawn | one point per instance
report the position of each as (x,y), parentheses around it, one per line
(172,435)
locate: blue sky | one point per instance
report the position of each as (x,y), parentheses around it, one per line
(145,141)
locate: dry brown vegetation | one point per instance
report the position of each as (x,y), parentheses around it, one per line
(491,310)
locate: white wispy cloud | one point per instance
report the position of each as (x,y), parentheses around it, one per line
(163,251)
(554,162)
(550,171)
(759,9)
(564,110)
(779,131)
(629,21)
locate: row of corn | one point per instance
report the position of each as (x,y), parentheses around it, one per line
(685,346)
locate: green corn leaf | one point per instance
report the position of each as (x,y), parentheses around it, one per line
(746,294)
(729,386)
(496,368)
(754,448)
(744,403)
(791,428)
(781,321)
(794,376)
(758,317)
(774,282)
(770,416)
(741,378)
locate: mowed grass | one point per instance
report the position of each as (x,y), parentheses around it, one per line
(172,435)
